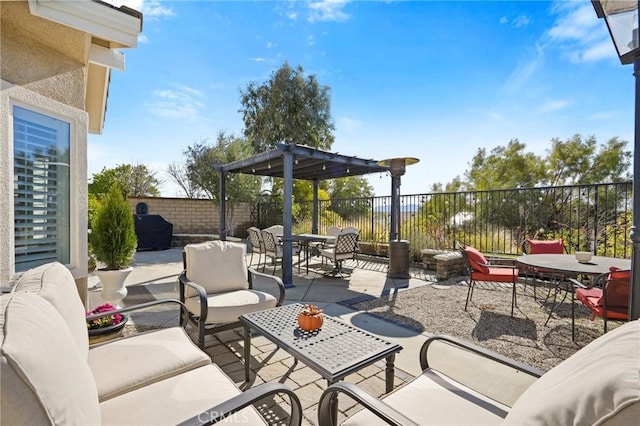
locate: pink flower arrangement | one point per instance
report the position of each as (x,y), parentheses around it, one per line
(106,320)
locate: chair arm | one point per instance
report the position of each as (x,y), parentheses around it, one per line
(485,353)
(202,294)
(278,281)
(246,398)
(142,306)
(368,401)
(576,283)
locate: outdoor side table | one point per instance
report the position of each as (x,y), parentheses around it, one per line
(334,351)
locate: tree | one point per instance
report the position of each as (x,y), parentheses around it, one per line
(575,161)
(136,180)
(505,167)
(179,174)
(290,107)
(350,196)
(201,172)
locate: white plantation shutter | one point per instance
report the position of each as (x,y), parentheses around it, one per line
(41,153)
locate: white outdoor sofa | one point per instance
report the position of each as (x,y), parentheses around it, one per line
(463,384)
(50,374)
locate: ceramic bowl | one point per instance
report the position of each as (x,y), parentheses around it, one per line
(583,256)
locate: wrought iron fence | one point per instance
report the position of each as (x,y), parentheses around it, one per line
(594,218)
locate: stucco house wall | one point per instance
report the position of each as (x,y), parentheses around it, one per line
(55,60)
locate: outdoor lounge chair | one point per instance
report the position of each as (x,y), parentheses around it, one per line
(479,269)
(217,287)
(463,384)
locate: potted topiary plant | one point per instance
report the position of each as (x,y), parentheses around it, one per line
(113,242)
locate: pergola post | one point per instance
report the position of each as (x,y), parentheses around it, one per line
(287,246)
(314,215)
(223,205)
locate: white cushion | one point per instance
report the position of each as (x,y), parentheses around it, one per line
(177,399)
(55,283)
(435,399)
(45,376)
(218,266)
(227,307)
(599,384)
(142,359)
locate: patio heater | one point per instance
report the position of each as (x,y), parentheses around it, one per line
(398,248)
(623,22)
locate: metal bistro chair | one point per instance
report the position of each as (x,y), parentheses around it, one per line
(257,245)
(608,298)
(345,248)
(479,269)
(273,248)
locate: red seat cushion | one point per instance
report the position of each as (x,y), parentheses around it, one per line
(591,297)
(546,247)
(476,260)
(503,275)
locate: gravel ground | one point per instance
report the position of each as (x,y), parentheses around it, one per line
(439,309)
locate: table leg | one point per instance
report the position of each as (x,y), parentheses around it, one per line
(247,354)
(306,255)
(389,372)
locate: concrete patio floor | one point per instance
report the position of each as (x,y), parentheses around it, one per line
(155,277)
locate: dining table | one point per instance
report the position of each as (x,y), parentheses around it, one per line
(566,265)
(305,239)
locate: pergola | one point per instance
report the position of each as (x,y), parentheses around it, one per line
(291,161)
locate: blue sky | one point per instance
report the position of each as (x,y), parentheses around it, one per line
(429,79)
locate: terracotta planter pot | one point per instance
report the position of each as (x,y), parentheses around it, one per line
(310,322)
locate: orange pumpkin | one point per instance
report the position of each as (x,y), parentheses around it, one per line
(310,322)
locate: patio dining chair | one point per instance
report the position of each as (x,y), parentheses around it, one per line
(345,248)
(273,248)
(257,245)
(608,298)
(480,269)
(553,280)
(217,287)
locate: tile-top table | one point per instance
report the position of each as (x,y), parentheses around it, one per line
(334,351)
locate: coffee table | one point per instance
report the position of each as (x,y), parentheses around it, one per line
(334,351)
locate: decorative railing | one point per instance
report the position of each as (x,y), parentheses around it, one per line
(594,218)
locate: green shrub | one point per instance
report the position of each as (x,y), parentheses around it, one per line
(113,238)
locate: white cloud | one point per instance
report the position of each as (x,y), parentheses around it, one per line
(349,124)
(579,33)
(269,45)
(181,102)
(554,105)
(259,59)
(520,21)
(327,10)
(143,39)
(524,70)
(504,20)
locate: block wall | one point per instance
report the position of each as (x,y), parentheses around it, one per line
(196,216)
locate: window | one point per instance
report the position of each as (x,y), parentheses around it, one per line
(41,170)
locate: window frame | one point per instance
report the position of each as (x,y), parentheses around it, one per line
(73,194)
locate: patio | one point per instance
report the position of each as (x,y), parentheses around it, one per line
(393,309)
